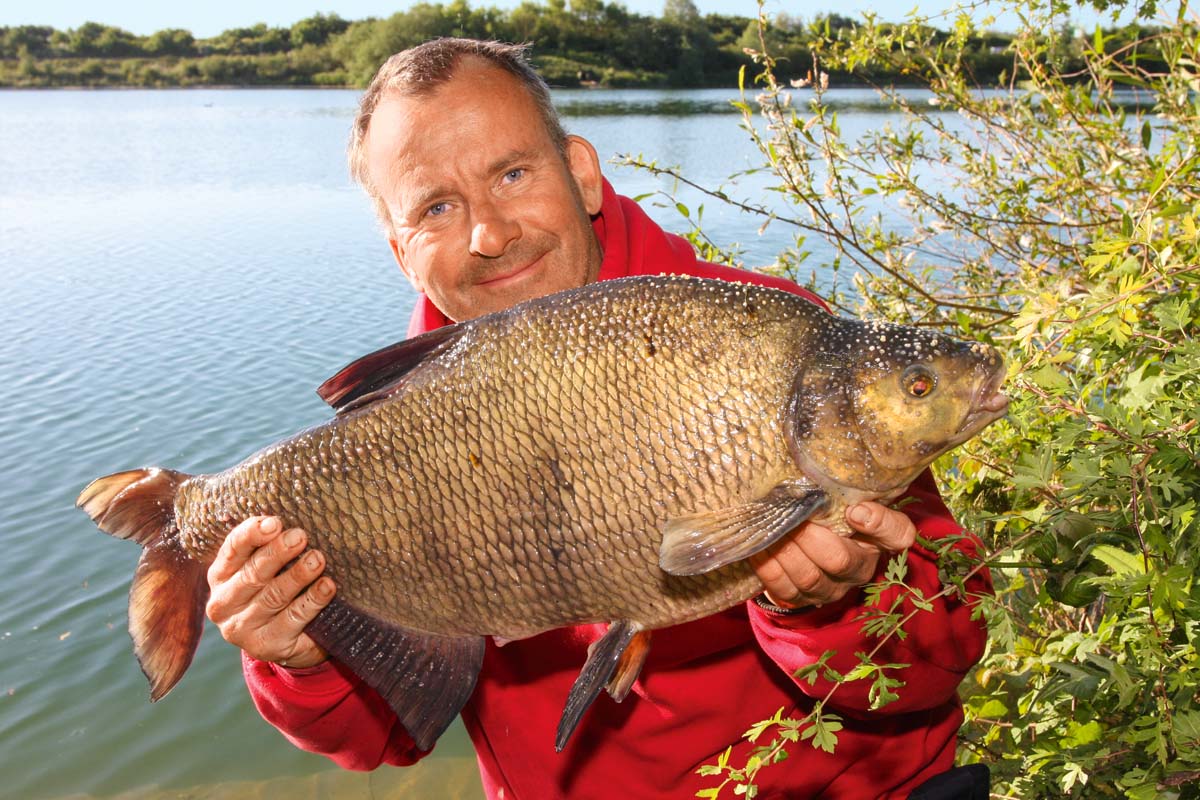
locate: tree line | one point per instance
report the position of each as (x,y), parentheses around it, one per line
(585,43)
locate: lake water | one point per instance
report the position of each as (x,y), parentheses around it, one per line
(180,270)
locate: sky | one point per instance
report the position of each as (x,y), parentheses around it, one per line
(209,18)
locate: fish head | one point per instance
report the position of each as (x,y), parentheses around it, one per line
(898,398)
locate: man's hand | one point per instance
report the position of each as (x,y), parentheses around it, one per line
(813,565)
(260,609)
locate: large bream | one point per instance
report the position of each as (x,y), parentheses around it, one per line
(609,453)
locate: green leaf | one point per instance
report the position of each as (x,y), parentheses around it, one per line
(1143,388)
(810,672)
(1148,791)
(1074,775)
(881,693)
(1119,561)
(993,709)
(861,671)
(921,603)
(897,568)
(1050,379)
(1185,729)
(758,728)
(1082,734)
(824,732)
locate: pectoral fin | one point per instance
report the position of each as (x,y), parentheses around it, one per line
(425,678)
(607,664)
(700,543)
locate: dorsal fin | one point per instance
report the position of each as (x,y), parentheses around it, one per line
(361,382)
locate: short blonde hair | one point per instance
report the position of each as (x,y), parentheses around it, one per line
(422,69)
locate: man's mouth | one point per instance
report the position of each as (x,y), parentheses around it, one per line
(509,274)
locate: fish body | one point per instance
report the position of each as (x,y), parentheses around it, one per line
(612,453)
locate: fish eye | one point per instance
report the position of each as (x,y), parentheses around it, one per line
(918,381)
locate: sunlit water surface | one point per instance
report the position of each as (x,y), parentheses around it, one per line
(180,270)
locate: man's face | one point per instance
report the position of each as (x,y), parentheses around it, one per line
(486,210)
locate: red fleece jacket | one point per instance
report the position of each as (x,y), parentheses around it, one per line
(704,683)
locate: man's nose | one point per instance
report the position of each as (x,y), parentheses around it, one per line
(492,230)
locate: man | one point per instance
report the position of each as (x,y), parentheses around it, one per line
(486,202)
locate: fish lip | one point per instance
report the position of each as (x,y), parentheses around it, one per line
(987,405)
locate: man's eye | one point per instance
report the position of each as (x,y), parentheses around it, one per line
(436,210)
(514,174)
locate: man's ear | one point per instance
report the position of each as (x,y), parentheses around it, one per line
(584,165)
(408,273)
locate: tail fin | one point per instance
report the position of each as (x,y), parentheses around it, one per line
(170,588)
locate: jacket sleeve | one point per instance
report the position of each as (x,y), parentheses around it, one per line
(327,710)
(941,645)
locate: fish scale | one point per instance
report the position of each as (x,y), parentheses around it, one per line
(613,453)
(576,394)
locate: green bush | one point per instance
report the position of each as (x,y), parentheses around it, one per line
(333,78)
(678,48)
(1058,221)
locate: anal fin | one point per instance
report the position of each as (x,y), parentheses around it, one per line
(426,678)
(699,543)
(606,657)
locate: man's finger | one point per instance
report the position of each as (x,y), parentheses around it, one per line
(281,591)
(839,559)
(304,609)
(266,562)
(886,527)
(283,640)
(777,582)
(790,577)
(240,544)
(240,592)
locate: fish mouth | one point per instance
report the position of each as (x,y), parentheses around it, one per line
(987,405)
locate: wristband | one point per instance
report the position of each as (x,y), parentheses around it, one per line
(762,602)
